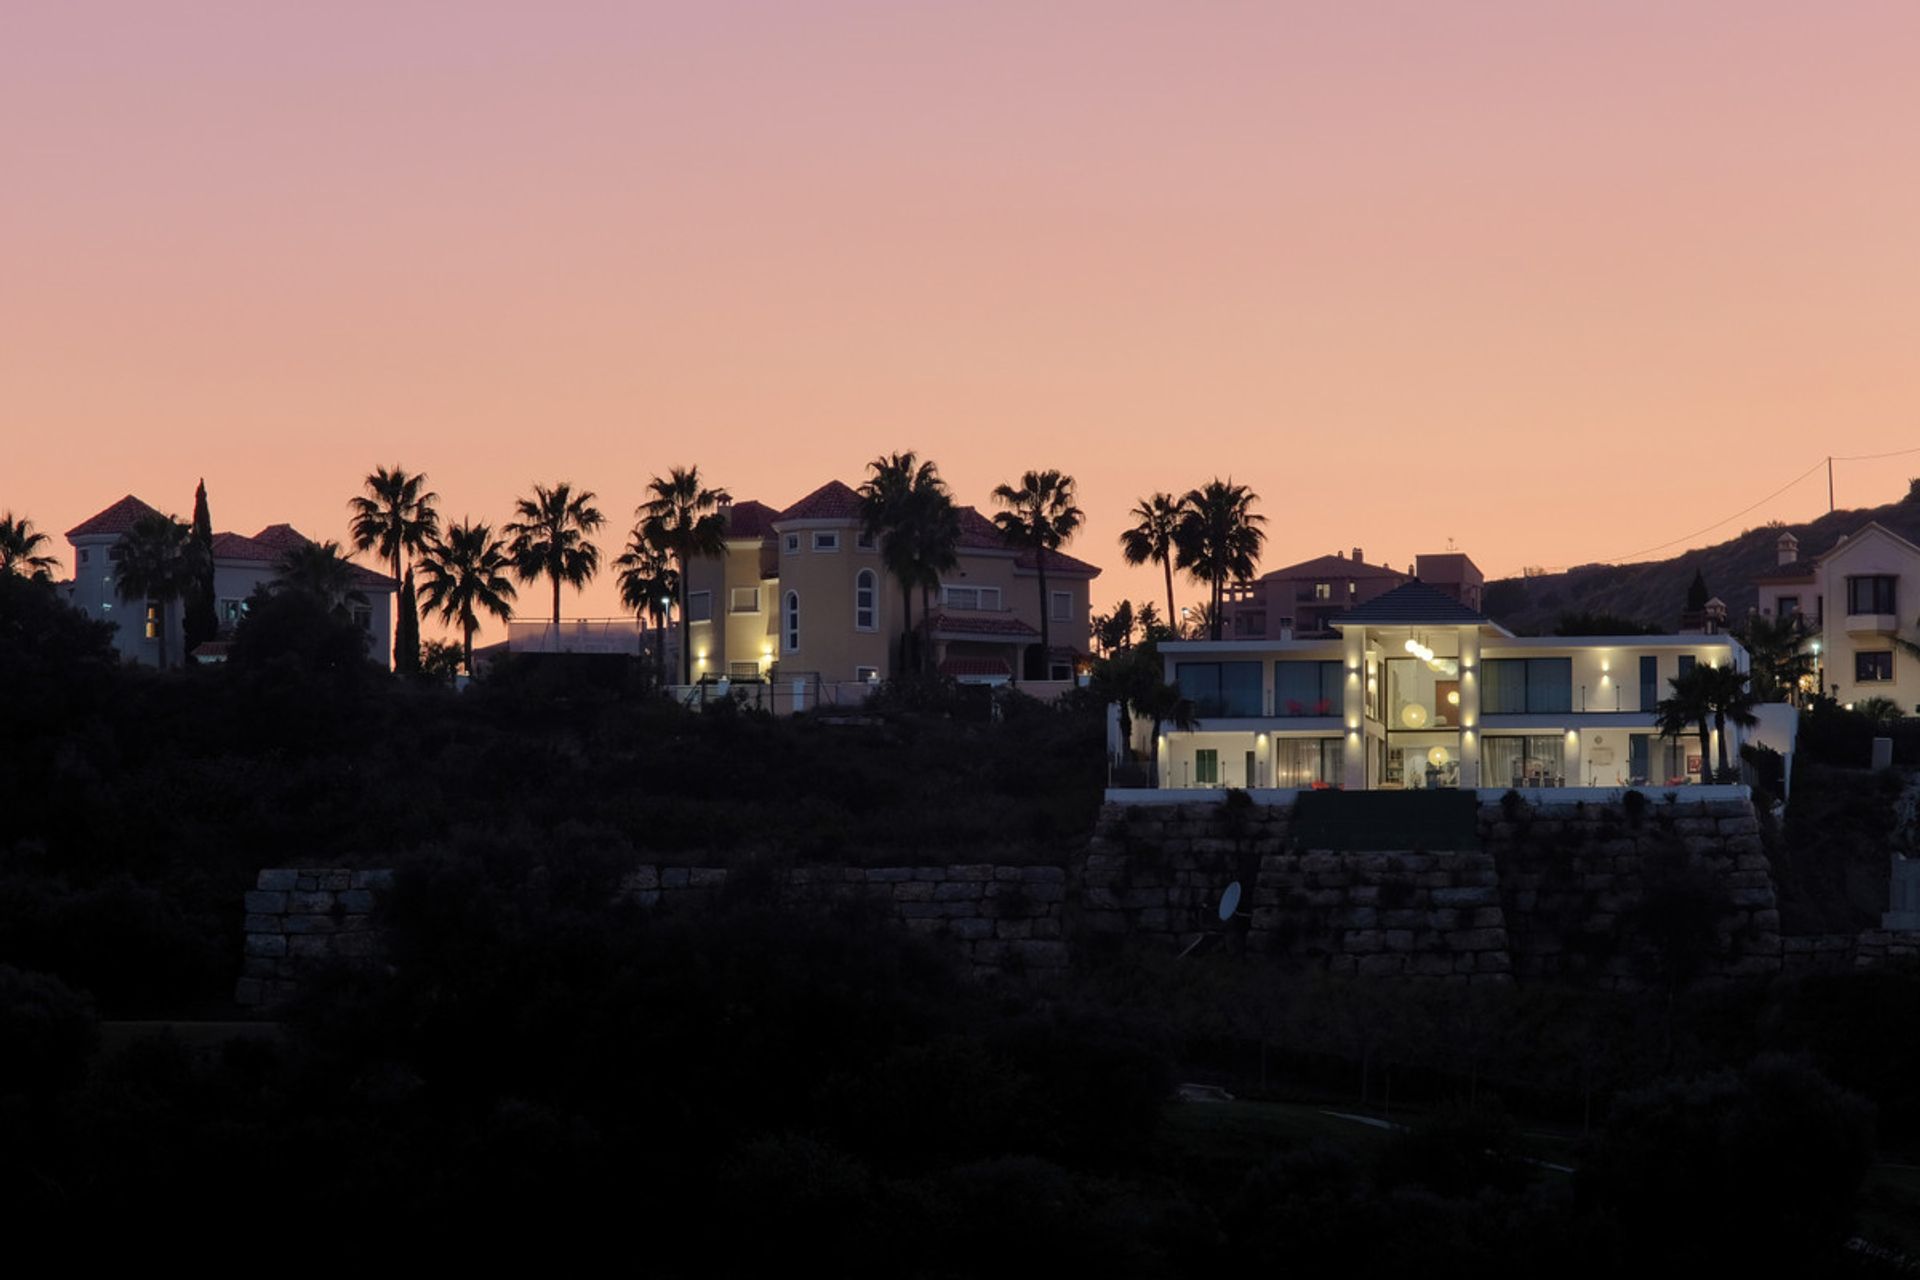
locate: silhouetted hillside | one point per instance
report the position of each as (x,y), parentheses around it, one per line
(1654,591)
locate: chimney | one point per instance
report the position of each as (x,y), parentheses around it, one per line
(1339,555)
(1358,558)
(1789,548)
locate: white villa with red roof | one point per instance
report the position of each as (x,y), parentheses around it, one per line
(240,564)
(803,589)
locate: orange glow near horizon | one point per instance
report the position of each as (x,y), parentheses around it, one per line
(1558,283)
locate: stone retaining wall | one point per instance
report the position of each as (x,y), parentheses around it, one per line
(1591,890)
(1001,919)
(1160,871)
(301,916)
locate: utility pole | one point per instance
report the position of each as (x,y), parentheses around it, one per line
(1829,484)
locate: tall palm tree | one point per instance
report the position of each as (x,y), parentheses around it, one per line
(649,586)
(319,569)
(1689,707)
(1730,700)
(1780,659)
(1040,515)
(466,573)
(683,519)
(20,552)
(395,517)
(888,508)
(551,537)
(157,561)
(1151,538)
(1219,539)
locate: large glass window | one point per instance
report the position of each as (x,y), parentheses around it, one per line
(1871,593)
(1220,688)
(1307,762)
(1649,681)
(1307,688)
(1536,760)
(1422,695)
(1873,667)
(1510,686)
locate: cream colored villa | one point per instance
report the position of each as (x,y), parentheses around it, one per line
(1419,690)
(1854,600)
(801,594)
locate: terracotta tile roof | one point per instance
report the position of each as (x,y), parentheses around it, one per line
(750,520)
(831,501)
(978,533)
(998,625)
(282,537)
(992,668)
(115,520)
(235,546)
(1332,567)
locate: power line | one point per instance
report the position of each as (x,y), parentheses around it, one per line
(1875,457)
(1688,537)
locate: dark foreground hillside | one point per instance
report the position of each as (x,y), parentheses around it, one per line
(738,1089)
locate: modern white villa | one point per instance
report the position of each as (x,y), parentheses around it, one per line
(1419,690)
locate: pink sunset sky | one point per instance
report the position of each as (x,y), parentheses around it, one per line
(1561,282)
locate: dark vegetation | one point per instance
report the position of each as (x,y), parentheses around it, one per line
(137,807)
(744,1086)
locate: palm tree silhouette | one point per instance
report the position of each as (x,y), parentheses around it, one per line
(1219,539)
(649,585)
(906,507)
(683,520)
(1040,515)
(551,537)
(1689,707)
(318,569)
(395,517)
(1729,698)
(1779,662)
(158,561)
(466,572)
(20,552)
(1151,538)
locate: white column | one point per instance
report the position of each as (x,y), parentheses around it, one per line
(1574,777)
(1354,709)
(1469,706)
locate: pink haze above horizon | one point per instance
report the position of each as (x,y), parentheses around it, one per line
(1558,283)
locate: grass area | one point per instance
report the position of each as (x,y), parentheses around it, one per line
(1247,1131)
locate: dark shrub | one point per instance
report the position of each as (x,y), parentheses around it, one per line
(46,1032)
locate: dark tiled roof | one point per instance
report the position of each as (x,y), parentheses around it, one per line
(1800,571)
(982,624)
(1410,602)
(750,519)
(282,537)
(116,519)
(831,501)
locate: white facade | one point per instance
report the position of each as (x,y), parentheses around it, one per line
(1468,706)
(1858,598)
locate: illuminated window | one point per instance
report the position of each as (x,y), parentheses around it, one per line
(154,615)
(1873,668)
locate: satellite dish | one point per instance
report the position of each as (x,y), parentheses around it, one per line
(1230,901)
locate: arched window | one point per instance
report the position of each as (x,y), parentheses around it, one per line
(865,600)
(793,621)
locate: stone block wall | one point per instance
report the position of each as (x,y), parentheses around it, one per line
(297,917)
(1000,919)
(1580,883)
(1159,871)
